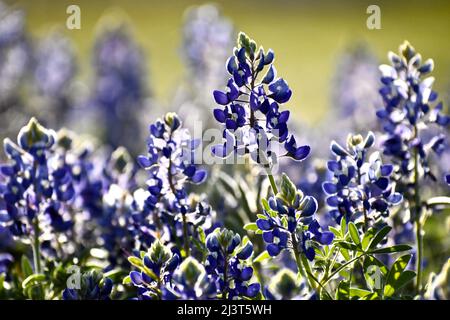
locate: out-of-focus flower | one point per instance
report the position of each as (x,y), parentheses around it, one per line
(119,87)
(53,77)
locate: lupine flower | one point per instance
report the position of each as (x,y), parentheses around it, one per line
(190,282)
(170,165)
(409,109)
(361,186)
(354,90)
(15,58)
(155,270)
(36,184)
(93,286)
(250,110)
(289,219)
(54,73)
(226,264)
(119,88)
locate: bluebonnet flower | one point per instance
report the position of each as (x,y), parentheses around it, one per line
(190,282)
(354,91)
(226,264)
(409,109)
(36,188)
(93,286)
(360,187)
(155,270)
(15,60)
(289,221)
(54,71)
(119,91)
(251,112)
(207,37)
(170,165)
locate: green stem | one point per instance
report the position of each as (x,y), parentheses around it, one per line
(36,246)
(272,183)
(341,268)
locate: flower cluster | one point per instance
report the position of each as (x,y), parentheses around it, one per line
(119,87)
(36,183)
(251,108)
(360,187)
(226,264)
(409,109)
(288,221)
(92,286)
(170,165)
(156,267)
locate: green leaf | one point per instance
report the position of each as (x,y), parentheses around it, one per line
(396,248)
(126,280)
(372,296)
(360,293)
(343,291)
(348,246)
(371,260)
(262,257)
(379,236)
(33,279)
(354,233)
(395,273)
(335,231)
(251,226)
(135,261)
(265,204)
(368,236)
(27,269)
(343,226)
(404,279)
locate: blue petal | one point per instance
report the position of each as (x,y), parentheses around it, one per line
(310,207)
(386,170)
(199,176)
(329,187)
(220,97)
(220,115)
(273,249)
(136,277)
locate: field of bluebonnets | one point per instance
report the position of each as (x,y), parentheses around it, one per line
(226,193)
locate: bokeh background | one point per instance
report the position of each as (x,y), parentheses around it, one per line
(308,37)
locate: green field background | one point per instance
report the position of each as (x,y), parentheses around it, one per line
(307,36)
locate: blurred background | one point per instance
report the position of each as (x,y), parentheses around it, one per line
(309,37)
